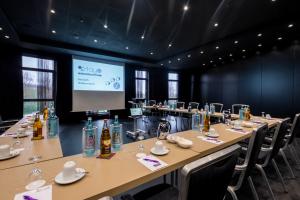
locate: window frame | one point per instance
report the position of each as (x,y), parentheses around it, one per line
(173,80)
(145,79)
(54,77)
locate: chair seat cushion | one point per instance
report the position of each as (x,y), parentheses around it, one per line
(158,192)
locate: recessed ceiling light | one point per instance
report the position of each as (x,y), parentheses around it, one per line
(189,55)
(211,61)
(95,41)
(142,37)
(279,38)
(126,47)
(178,59)
(273,0)
(216,24)
(105,26)
(169,62)
(220,58)
(259,45)
(243,50)
(290,25)
(151,53)
(52,11)
(203,64)
(185,7)
(230,55)
(217,47)
(259,35)
(1,29)
(53,31)
(235,42)
(161,64)
(202,52)
(7,36)
(170,44)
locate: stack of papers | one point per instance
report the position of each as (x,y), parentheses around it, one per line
(43,193)
(152,163)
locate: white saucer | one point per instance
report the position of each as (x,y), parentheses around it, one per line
(212,135)
(164,152)
(13,153)
(237,128)
(76,177)
(22,135)
(35,185)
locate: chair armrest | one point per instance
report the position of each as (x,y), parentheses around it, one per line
(127,197)
(264,149)
(241,167)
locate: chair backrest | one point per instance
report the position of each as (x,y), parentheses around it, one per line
(133,104)
(294,129)
(152,102)
(208,177)
(194,105)
(180,104)
(218,107)
(278,141)
(236,108)
(255,143)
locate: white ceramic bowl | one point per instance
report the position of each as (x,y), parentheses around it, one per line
(172,138)
(184,143)
(24,125)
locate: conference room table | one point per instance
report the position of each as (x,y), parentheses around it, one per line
(45,149)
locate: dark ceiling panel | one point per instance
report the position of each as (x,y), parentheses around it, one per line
(160,22)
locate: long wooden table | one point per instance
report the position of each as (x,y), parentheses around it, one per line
(119,174)
(47,149)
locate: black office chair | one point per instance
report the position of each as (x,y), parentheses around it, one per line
(206,178)
(180,104)
(243,171)
(236,108)
(194,105)
(268,152)
(152,102)
(4,125)
(218,107)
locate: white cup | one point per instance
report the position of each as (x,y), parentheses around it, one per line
(4,150)
(69,169)
(159,146)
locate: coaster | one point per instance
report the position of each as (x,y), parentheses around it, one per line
(38,138)
(107,158)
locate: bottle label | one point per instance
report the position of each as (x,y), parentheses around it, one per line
(105,147)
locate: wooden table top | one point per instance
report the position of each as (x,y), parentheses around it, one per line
(271,122)
(119,174)
(48,149)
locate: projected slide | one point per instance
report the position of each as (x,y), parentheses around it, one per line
(97,76)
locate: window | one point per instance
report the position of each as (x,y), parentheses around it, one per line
(173,87)
(38,83)
(141,84)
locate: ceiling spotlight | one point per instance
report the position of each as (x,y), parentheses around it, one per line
(220,58)
(243,50)
(7,36)
(217,47)
(290,25)
(216,24)
(203,64)
(142,37)
(178,59)
(259,45)
(105,26)
(1,29)
(211,61)
(169,62)
(126,47)
(202,52)
(95,41)
(259,35)
(189,55)
(185,7)
(279,38)
(235,42)
(52,11)
(273,0)
(53,31)
(151,53)
(170,44)
(161,64)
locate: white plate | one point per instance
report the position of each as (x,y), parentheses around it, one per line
(12,154)
(172,138)
(76,177)
(184,143)
(212,135)
(164,152)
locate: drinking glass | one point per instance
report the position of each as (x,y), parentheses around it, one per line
(141,152)
(35,175)
(263,114)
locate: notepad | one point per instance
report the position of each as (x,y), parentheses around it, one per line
(239,131)
(152,162)
(43,193)
(211,140)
